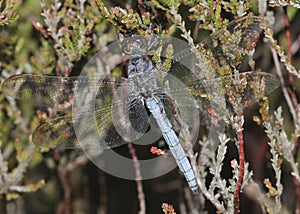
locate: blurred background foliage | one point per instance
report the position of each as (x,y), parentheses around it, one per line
(57,38)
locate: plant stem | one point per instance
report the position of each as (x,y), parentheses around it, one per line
(295,180)
(289,53)
(241,165)
(138,179)
(63,176)
(294,99)
(3,204)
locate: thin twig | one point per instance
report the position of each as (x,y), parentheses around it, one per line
(202,186)
(283,88)
(103,193)
(65,183)
(3,204)
(138,179)
(63,176)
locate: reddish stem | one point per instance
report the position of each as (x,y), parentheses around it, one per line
(141,7)
(294,99)
(289,53)
(241,167)
(68,73)
(296,182)
(297,191)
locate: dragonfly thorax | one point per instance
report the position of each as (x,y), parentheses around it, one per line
(141,77)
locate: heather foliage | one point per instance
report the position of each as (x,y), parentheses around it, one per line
(256,160)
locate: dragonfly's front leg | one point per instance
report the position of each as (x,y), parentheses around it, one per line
(156,108)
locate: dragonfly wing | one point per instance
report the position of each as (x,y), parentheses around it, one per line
(93,116)
(221,53)
(42,90)
(227,47)
(117,113)
(207,71)
(176,98)
(214,98)
(56,133)
(51,91)
(129,115)
(103,117)
(216,94)
(64,132)
(244,89)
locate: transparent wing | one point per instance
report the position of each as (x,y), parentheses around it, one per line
(221,53)
(207,70)
(228,46)
(91,118)
(53,92)
(60,132)
(244,89)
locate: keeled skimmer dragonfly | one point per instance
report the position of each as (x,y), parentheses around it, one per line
(122,105)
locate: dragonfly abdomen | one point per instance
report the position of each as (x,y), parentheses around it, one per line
(156,108)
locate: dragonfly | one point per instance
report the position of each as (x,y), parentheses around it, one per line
(121,106)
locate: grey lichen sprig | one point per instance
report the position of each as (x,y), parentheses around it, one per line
(127,21)
(282,3)
(268,33)
(268,205)
(43,60)
(200,62)
(70,28)
(282,146)
(218,184)
(276,161)
(209,13)
(218,192)
(10,179)
(7,14)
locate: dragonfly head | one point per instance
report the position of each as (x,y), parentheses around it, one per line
(138,45)
(134,46)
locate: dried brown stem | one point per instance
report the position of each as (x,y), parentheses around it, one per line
(3,204)
(283,87)
(63,176)
(65,183)
(138,179)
